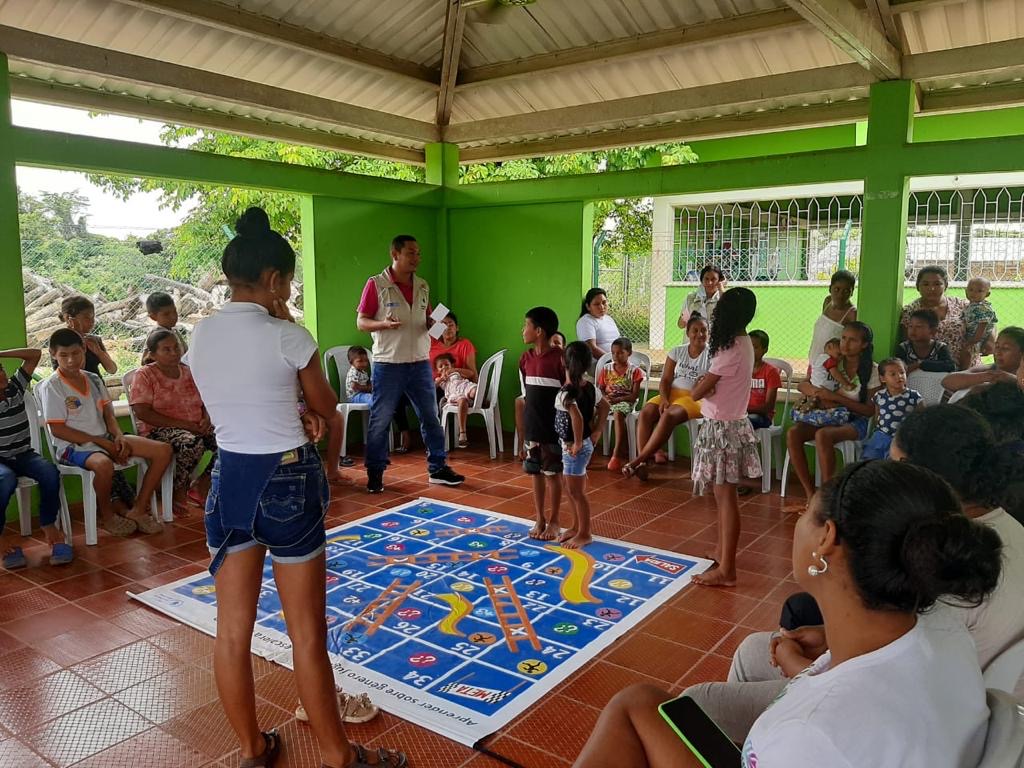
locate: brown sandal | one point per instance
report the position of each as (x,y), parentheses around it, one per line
(270,753)
(386,758)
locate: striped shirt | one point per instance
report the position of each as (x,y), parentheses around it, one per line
(544,376)
(15,435)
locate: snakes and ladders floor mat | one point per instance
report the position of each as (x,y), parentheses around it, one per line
(451,616)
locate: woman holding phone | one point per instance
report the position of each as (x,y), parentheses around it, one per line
(879,544)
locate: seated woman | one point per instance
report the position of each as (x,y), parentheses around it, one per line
(932,283)
(703,300)
(461,350)
(846,413)
(168,408)
(879,545)
(1008,364)
(596,328)
(684,367)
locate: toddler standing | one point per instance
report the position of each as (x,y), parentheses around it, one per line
(893,404)
(580,413)
(620,382)
(726,450)
(979,320)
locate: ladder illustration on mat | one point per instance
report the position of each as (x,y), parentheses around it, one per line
(382,606)
(509,610)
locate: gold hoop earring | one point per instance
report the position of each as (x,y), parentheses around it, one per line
(814,570)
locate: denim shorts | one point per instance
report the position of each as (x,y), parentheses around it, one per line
(861,424)
(290,515)
(576,466)
(877,446)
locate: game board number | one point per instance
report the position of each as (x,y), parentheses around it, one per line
(407,628)
(351,600)
(352,573)
(534,595)
(417,679)
(466,649)
(358,655)
(659,580)
(630,601)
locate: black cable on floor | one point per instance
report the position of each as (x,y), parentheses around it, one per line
(495,756)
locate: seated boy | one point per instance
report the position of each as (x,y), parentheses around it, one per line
(17,459)
(86,434)
(161,310)
(921,350)
(457,390)
(765,382)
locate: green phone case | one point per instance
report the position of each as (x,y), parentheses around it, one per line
(682,736)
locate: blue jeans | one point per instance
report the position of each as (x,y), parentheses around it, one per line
(390,382)
(876,446)
(31,464)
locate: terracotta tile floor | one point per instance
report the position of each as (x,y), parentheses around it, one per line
(90,678)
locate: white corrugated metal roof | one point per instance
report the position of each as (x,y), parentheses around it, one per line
(411,31)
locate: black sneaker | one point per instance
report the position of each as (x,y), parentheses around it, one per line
(375,480)
(346,461)
(446,476)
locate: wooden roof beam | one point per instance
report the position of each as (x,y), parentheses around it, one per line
(854,32)
(451,50)
(241,22)
(64,54)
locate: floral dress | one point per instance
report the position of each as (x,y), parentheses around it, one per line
(951,328)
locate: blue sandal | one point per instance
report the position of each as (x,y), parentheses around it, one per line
(14,559)
(61,554)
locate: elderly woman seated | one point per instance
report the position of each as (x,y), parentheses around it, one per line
(168,408)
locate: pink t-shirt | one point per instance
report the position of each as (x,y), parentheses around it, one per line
(175,398)
(732,392)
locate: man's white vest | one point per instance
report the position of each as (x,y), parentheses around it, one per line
(410,343)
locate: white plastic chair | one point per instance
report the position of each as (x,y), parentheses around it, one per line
(849,450)
(24,490)
(167,481)
(643,362)
(770,437)
(1004,739)
(1004,672)
(693,430)
(340,357)
(484,404)
(929,384)
(88,491)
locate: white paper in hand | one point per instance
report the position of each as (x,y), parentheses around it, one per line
(440,313)
(437,330)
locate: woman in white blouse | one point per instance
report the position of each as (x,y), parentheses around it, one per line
(596,328)
(704,299)
(879,545)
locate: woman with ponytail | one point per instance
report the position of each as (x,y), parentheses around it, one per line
(268,490)
(850,409)
(880,544)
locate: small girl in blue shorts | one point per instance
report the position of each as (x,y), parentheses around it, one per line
(580,413)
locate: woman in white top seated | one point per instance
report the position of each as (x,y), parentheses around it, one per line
(704,300)
(596,328)
(957,444)
(268,491)
(879,544)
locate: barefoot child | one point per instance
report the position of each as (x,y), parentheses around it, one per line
(726,450)
(543,371)
(17,459)
(619,382)
(558,342)
(580,413)
(457,390)
(893,403)
(86,434)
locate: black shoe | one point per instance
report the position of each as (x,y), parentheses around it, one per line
(446,476)
(375,480)
(346,461)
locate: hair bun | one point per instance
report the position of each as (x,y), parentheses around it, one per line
(254,223)
(953,556)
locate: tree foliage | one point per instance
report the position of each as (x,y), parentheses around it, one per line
(56,243)
(197,243)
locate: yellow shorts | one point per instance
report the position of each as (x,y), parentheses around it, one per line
(681,397)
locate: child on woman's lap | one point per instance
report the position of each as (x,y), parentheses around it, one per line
(893,404)
(458,391)
(825,372)
(580,413)
(620,382)
(726,451)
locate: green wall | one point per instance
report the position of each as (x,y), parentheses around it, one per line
(344,243)
(505,261)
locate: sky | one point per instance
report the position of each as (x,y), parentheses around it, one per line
(107,215)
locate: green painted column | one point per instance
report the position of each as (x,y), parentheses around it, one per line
(443,171)
(12,304)
(886,194)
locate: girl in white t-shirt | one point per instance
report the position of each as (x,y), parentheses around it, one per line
(268,489)
(673,405)
(879,545)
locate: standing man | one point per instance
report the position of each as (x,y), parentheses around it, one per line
(395,310)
